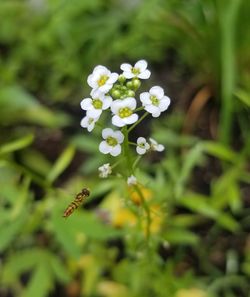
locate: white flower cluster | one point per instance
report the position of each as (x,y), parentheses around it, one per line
(116,93)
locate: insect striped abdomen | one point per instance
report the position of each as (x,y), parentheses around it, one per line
(76,203)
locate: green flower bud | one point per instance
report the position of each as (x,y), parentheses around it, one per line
(129,85)
(122,79)
(116,94)
(124,89)
(130,93)
(136,83)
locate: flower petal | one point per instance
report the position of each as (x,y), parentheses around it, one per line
(106,102)
(116,105)
(91,82)
(95,93)
(145,98)
(105,88)
(128,74)
(106,133)
(94,113)
(160,148)
(151,108)
(126,67)
(117,121)
(119,136)
(112,78)
(116,150)
(164,103)
(142,65)
(156,114)
(131,119)
(84,122)
(145,74)
(141,140)
(104,147)
(91,126)
(140,150)
(157,91)
(86,103)
(129,102)
(100,68)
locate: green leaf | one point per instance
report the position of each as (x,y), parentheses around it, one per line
(228,222)
(17,144)
(199,204)
(185,220)
(181,236)
(61,163)
(19,263)
(35,161)
(65,231)
(40,283)
(85,143)
(93,228)
(220,151)
(18,105)
(192,158)
(10,230)
(59,270)
(243,96)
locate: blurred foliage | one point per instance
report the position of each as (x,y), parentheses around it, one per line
(197,193)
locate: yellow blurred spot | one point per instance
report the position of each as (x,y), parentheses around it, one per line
(193,292)
(112,289)
(135,194)
(124,216)
(120,214)
(86,261)
(81,238)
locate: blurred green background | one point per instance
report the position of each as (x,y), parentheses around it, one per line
(198,191)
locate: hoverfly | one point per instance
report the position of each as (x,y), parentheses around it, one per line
(76,202)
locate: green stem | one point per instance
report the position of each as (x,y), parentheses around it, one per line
(139,108)
(116,163)
(147,211)
(138,122)
(228,12)
(126,150)
(132,143)
(136,162)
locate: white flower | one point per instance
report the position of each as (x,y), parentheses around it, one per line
(132,180)
(154,101)
(102,79)
(89,123)
(105,170)
(123,112)
(111,144)
(138,70)
(142,146)
(96,105)
(155,146)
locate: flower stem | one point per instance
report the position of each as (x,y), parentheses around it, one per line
(147,211)
(138,122)
(132,143)
(137,160)
(139,108)
(126,150)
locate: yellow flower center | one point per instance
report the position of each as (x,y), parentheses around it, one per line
(90,121)
(125,112)
(111,141)
(97,103)
(102,80)
(155,101)
(135,71)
